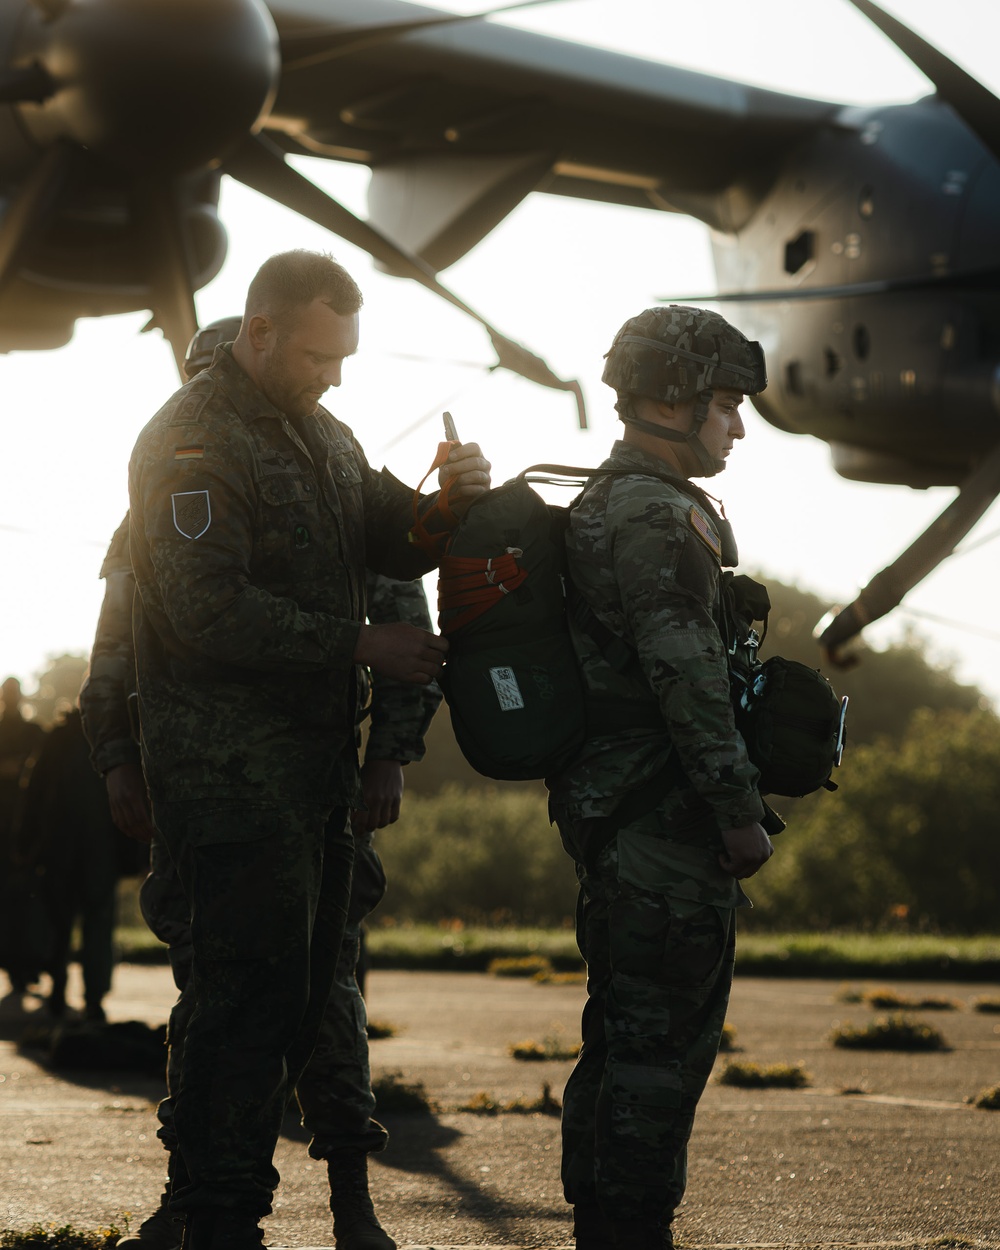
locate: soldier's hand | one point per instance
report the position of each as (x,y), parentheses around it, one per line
(129,801)
(382,785)
(402,652)
(468,469)
(746,849)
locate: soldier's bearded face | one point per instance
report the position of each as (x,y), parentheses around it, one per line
(304,358)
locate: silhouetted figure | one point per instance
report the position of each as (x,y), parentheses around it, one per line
(20,741)
(66,827)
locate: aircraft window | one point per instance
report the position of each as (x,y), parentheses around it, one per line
(834,364)
(862,342)
(800,250)
(793,378)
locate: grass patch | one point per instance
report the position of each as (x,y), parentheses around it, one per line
(988,1099)
(727,1043)
(485,1104)
(764,1076)
(892,1032)
(900,956)
(459,948)
(379,1029)
(550,1048)
(986,1004)
(393,1093)
(520,966)
(560,978)
(887,999)
(452,946)
(60,1237)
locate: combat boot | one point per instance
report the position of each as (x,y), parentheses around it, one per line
(159,1231)
(643,1234)
(591,1228)
(355,1224)
(222,1228)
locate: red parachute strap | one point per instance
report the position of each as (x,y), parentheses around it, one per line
(476,584)
(439,514)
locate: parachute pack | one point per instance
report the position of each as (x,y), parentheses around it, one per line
(517,699)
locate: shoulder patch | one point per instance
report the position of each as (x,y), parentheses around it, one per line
(703,527)
(189,406)
(192,511)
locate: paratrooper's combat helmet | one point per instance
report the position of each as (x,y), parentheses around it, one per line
(674,354)
(202,347)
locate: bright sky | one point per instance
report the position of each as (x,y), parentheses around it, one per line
(560,276)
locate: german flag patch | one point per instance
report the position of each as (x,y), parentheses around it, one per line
(196,452)
(705,531)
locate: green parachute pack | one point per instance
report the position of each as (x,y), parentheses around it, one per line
(517,698)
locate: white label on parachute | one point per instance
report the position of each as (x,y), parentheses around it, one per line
(508,691)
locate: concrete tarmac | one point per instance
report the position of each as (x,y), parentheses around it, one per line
(881,1149)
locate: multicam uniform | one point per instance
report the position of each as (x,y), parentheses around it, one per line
(249,539)
(641,811)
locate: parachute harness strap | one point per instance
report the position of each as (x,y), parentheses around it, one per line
(476,584)
(432,530)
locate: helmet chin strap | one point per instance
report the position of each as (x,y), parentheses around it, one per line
(707,463)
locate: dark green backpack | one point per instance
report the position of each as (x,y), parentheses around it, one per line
(512,683)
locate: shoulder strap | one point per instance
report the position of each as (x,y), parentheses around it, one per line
(551,473)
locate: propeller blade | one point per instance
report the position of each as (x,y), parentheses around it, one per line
(164,244)
(299,51)
(978,107)
(260,165)
(32,207)
(966,280)
(33,85)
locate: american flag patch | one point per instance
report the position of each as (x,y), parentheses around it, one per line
(189,453)
(703,528)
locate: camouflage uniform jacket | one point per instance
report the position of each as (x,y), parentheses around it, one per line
(249,539)
(400,711)
(644,556)
(104,699)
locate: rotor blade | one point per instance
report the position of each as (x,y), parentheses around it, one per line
(299,51)
(260,165)
(21,86)
(978,107)
(886,589)
(32,207)
(965,280)
(164,244)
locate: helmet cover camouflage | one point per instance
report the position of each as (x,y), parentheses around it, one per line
(674,353)
(202,347)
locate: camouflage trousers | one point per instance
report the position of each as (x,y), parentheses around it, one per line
(335,1091)
(659,970)
(268,886)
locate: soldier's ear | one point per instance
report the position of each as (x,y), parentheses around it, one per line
(257,329)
